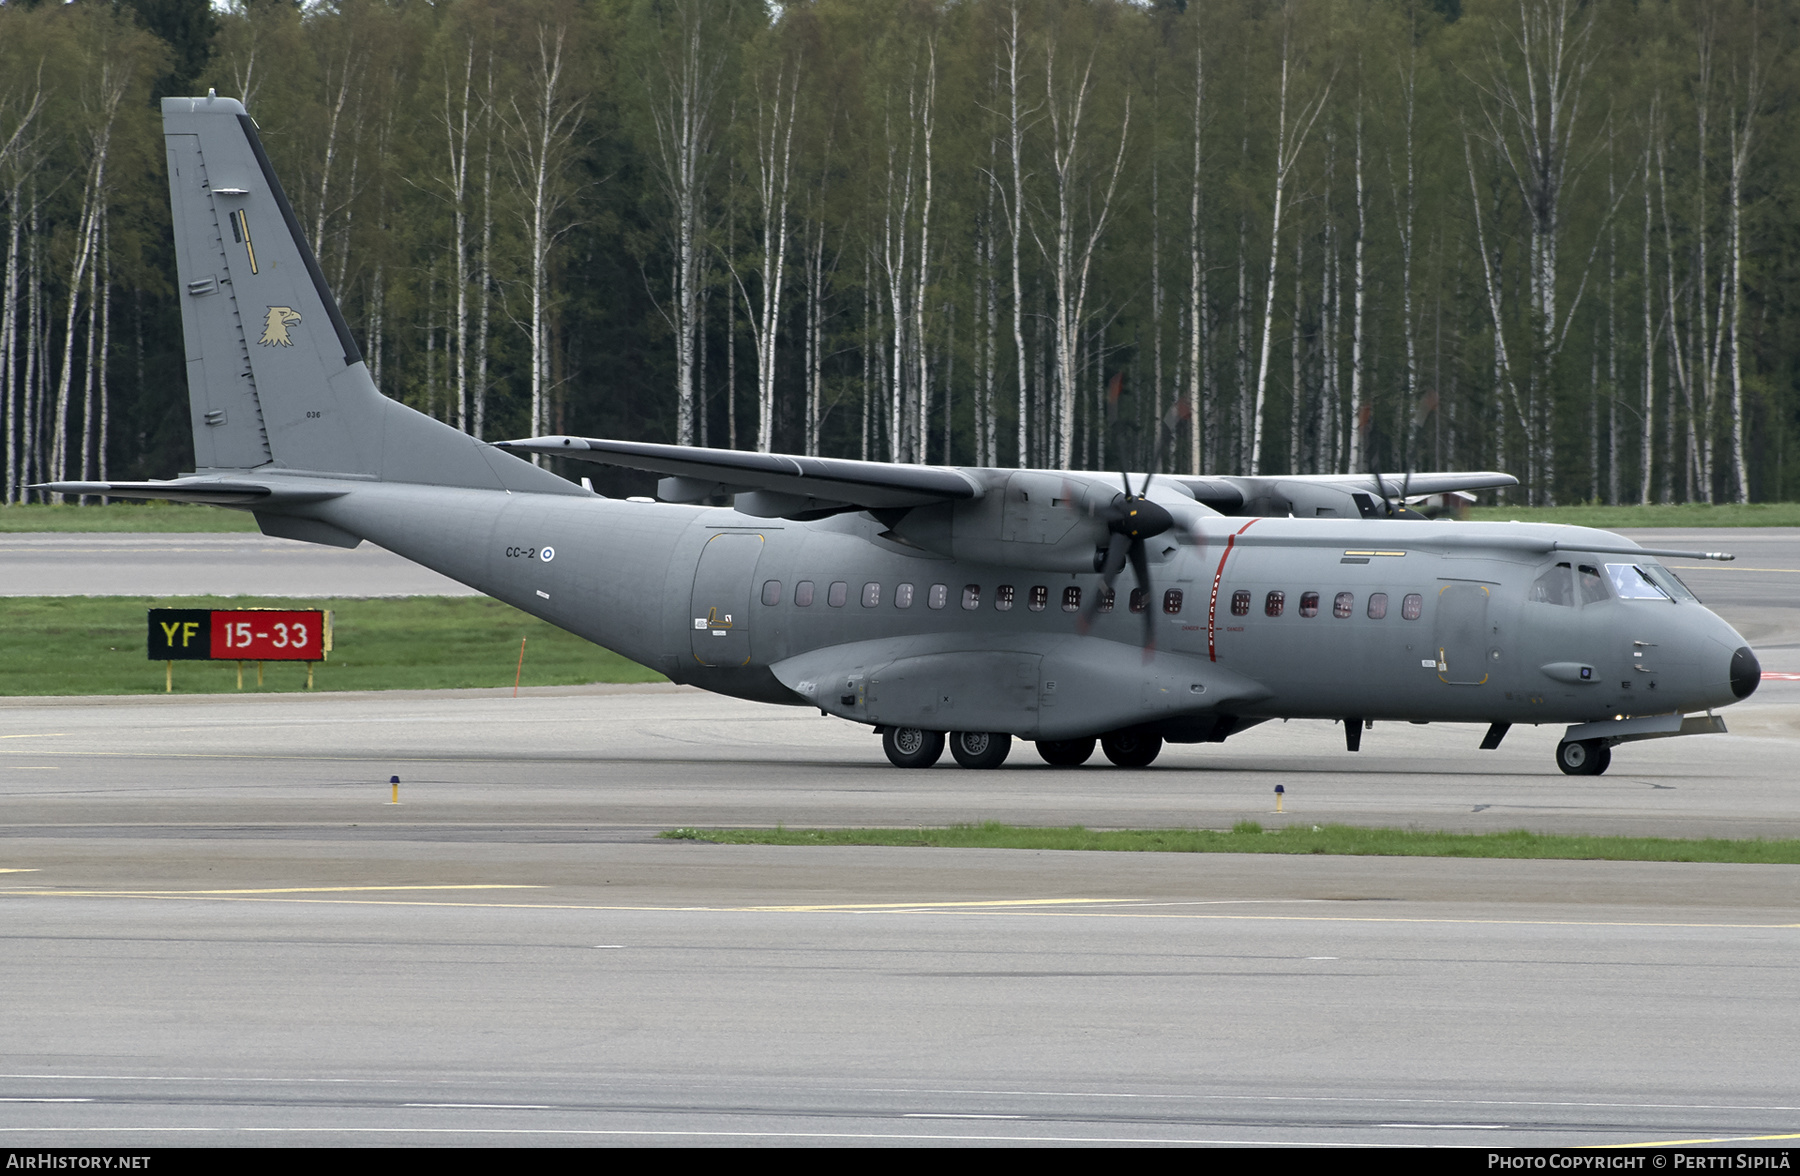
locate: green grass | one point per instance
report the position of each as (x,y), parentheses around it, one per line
(1612,518)
(123,516)
(1250,837)
(96,645)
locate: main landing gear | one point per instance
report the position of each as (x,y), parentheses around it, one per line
(1065,753)
(980,749)
(1587,757)
(910,747)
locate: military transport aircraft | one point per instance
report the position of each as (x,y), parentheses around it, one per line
(928,603)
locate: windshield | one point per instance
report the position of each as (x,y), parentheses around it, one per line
(1670,582)
(1633,582)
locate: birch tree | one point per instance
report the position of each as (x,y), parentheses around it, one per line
(680,77)
(544,119)
(1290,137)
(776,100)
(1066,243)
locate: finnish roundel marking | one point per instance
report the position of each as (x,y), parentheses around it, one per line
(547,554)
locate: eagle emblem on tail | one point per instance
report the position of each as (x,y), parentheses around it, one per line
(275,327)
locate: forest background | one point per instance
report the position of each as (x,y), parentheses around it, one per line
(1550,237)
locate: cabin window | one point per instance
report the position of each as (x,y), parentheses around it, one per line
(1343,604)
(771,591)
(1309,604)
(1273,603)
(1411,605)
(1172,601)
(1040,596)
(903,596)
(1591,583)
(803,594)
(1240,603)
(837,594)
(939,597)
(1139,600)
(1557,586)
(1071,600)
(1107,596)
(1003,597)
(1377,605)
(972,596)
(871,595)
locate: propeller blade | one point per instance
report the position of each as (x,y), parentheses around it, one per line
(1110,566)
(1387,508)
(1140,565)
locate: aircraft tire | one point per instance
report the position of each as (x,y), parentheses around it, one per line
(1588,757)
(909,747)
(1128,749)
(980,749)
(1065,753)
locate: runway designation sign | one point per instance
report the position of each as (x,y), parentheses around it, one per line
(243,634)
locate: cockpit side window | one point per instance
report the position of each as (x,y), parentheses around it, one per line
(1555,586)
(1592,584)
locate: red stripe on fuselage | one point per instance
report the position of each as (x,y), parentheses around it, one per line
(1212,605)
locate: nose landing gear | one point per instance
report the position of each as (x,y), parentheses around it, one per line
(1586,757)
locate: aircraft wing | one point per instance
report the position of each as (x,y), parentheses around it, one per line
(779,485)
(1329,495)
(767,485)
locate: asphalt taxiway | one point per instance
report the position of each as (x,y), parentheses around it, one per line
(221,930)
(217,928)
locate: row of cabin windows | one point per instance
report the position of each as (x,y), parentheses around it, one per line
(1037,597)
(1412,605)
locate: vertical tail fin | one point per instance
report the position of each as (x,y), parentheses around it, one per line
(275,378)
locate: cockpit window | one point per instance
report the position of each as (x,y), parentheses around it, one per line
(1555,586)
(1669,582)
(1593,586)
(1632,582)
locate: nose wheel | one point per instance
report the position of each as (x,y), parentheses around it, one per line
(1587,757)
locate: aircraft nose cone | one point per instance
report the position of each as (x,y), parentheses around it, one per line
(1746,672)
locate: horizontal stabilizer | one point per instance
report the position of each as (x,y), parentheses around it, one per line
(212,491)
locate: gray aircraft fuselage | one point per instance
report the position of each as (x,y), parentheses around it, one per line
(654,582)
